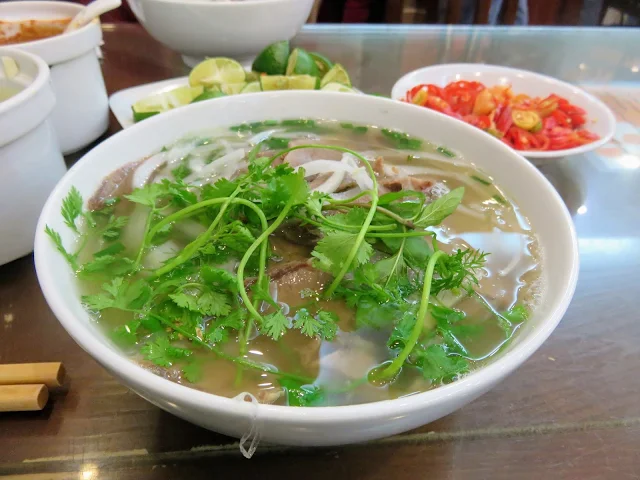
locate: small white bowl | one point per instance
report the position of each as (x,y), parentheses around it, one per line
(600,119)
(205,28)
(30,159)
(323,425)
(82,112)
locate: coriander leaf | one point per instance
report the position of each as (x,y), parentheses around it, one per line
(220,279)
(152,324)
(148,195)
(458,270)
(447,320)
(179,192)
(237,237)
(333,250)
(376,315)
(120,294)
(355,217)
(275,324)
(113,228)
(435,212)
(329,322)
(107,264)
(55,238)
(299,395)
(438,366)
(402,331)
(113,249)
(218,332)
(72,208)
(512,317)
(162,353)
(289,188)
(315,201)
(390,267)
(323,325)
(206,302)
(192,371)
(125,335)
(277,143)
(390,197)
(181,171)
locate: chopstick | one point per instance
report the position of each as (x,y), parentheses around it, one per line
(23,398)
(25,386)
(50,374)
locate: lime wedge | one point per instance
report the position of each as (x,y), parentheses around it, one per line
(161,102)
(303,82)
(294,82)
(336,74)
(337,87)
(216,71)
(322,62)
(251,88)
(10,67)
(232,88)
(208,95)
(301,63)
(273,59)
(252,77)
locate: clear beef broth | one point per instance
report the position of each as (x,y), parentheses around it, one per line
(487,220)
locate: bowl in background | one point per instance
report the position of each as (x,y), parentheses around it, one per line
(314,425)
(30,159)
(205,28)
(600,119)
(81,113)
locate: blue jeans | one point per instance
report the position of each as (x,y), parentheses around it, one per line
(469,11)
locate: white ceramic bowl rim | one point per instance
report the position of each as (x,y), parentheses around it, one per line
(63,47)
(183,395)
(482,67)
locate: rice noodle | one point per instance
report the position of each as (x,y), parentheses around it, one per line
(144,172)
(332,183)
(316,167)
(224,166)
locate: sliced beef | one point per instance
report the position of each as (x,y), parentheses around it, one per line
(115,184)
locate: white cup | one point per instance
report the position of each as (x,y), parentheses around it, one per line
(30,160)
(81,114)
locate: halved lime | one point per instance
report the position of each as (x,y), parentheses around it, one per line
(301,63)
(232,88)
(273,59)
(216,71)
(336,74)
(252,77)
(161,102)
(303,82)
(322,62)
(251,88)
(337,87)
(208,95)
(294,82)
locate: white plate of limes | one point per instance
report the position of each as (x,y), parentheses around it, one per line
(277,67)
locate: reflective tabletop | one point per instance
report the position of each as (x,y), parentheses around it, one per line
(570,412)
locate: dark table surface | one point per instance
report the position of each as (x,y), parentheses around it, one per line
(571,412)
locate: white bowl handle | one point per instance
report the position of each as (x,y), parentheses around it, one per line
(136,9)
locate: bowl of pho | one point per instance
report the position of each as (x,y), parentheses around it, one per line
(315,268)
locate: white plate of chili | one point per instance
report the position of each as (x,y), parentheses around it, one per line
(540,116)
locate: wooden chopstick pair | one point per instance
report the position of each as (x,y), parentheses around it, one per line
(25,386)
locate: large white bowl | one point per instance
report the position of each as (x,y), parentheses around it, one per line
(238,29)
(600,119)
(324,425)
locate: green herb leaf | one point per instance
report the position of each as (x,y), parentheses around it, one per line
(219,279)
(275,325)
(206,302)
(192,371)
(333,250)
(119,294)
(435,212)
(72,208)
(299,395)
(438,366)
(162,353)
(147,195)
(218,332)
(126,335)
(55,237)
(323,325)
